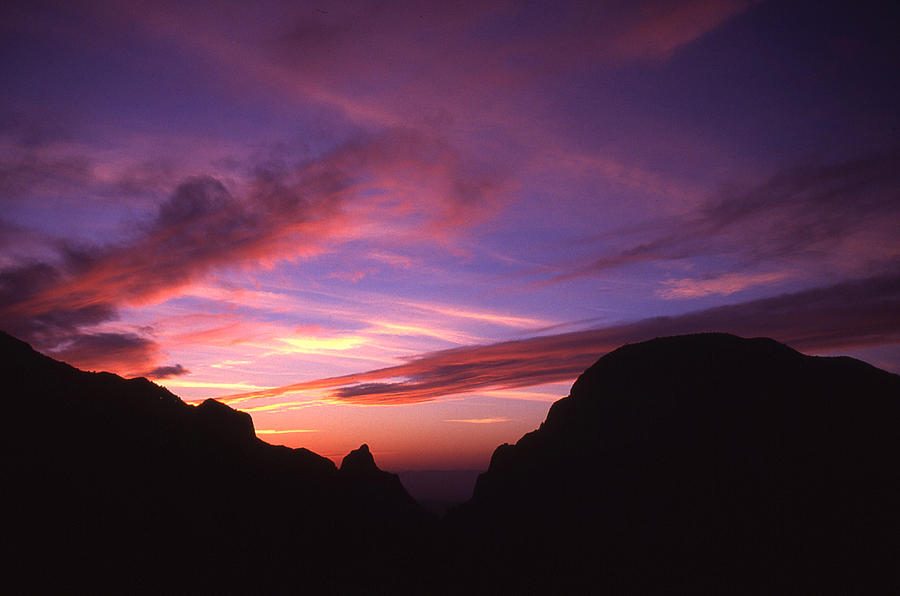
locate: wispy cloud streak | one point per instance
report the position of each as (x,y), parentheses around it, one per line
(843,316)
(725,285)
(478,420)
(815,214)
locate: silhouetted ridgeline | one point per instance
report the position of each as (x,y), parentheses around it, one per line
(704,463)
(118,485)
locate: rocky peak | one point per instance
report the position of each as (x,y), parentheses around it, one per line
(359,461)
(224,420)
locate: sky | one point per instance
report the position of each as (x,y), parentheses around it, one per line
(413,224)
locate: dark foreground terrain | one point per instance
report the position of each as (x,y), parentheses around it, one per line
(692,464)
(119,486)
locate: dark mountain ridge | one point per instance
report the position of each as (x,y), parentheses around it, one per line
(701,464)
(118,485)
(705,463)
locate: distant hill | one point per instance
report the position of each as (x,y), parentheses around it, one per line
(438,490)
(692,464)
(703,463)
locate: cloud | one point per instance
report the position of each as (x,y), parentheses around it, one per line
(102,351)
(26,172)
(201,226)
(19,245)
(526,36)
(427,64)
(24,128)
(64,170)
(723,285)
(312,344)
(485,317)
(37,157)
(842,215)
(20,283)
(664,26)
(804,207)
(847,315)
(165,372)
(418,187)
(479,420)
(285,432)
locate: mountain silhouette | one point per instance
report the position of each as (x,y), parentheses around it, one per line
(118,486)
(692,464)
(699,464)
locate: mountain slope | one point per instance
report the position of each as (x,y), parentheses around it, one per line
(699,464)
(704,463)
(118,485)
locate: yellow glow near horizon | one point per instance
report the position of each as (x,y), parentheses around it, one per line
(479,420)
(286,432)
(315,345)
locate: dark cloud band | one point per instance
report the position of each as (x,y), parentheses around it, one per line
(843,316)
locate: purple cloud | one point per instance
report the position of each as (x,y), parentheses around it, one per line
(166,372)
(847,211)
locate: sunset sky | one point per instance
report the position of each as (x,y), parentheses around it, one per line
(414,224)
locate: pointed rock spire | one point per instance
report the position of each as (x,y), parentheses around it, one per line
(359,461)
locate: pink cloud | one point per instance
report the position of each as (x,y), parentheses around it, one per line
(420,186)
(665,26)
(723,285)
(431,66)
(125,352)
